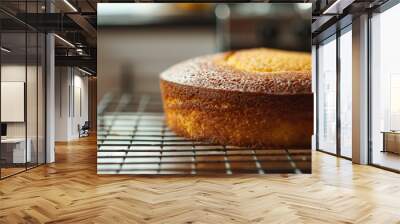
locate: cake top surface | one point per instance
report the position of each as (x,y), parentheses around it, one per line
(259,70)
(269,60)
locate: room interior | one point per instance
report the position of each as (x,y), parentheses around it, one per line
(55,104)
(25,102)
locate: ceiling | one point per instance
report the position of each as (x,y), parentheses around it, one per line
(76,22)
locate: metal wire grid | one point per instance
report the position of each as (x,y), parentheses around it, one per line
(132,140)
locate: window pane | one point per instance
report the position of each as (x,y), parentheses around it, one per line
(327,96)
(345,94)
(31,96)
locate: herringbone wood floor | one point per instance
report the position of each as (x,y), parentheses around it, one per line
(69,191)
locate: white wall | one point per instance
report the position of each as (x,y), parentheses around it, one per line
(80,94)
(33,126)
(69,82)
(15,72)
(62,81)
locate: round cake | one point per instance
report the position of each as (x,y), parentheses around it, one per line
(256,97)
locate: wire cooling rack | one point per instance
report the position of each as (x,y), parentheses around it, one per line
(132,138)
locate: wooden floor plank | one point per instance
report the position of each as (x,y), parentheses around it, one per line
(70,191)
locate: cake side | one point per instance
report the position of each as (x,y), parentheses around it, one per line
(239,118)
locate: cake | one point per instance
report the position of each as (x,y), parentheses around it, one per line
(254,97)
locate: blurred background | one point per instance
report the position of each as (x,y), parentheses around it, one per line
(136,42)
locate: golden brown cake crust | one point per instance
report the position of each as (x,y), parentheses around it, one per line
(237,118)
(207,99)
(224,71)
